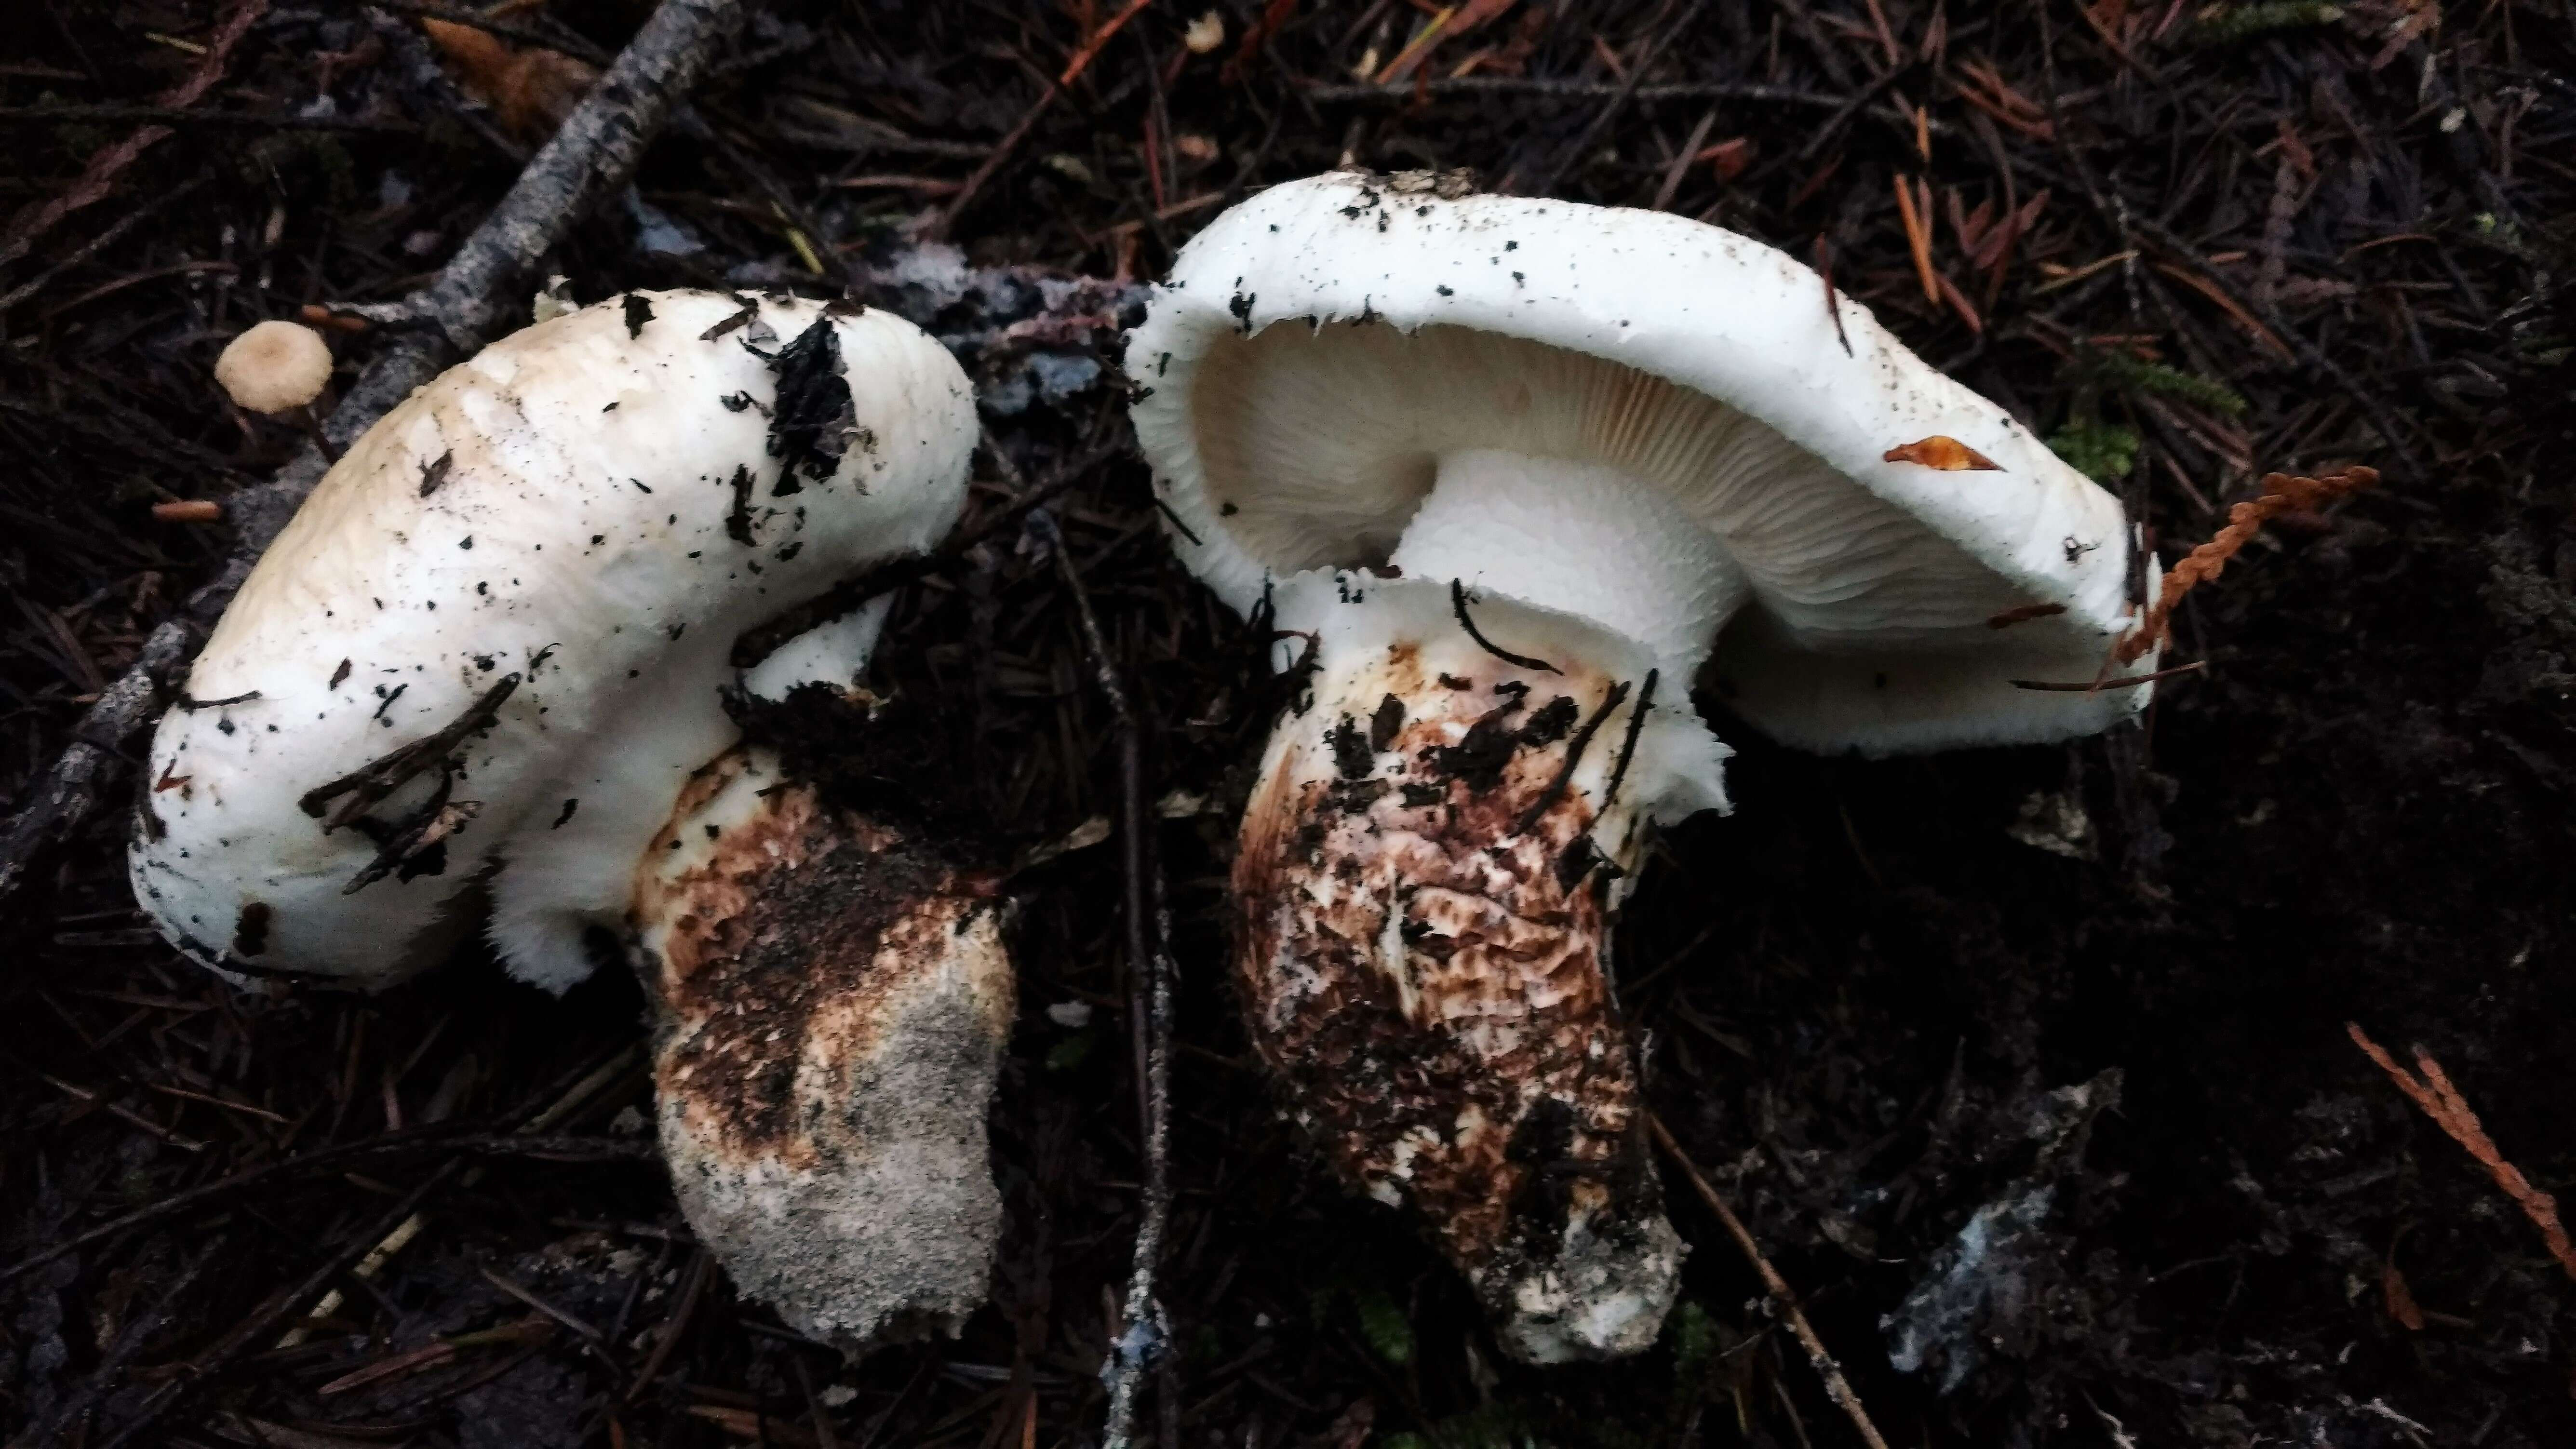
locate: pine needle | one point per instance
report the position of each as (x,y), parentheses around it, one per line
(2281,494)
(2449,1110)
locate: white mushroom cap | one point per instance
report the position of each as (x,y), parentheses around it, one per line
(1324,350)
(596,506)
(275,367)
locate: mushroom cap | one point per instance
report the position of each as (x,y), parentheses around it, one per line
(275,367)
(1701,362)
(596,505)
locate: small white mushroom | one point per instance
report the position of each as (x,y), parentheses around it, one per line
(275,367)
(1509,473)
(475,678)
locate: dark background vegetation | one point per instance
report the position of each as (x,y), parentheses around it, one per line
(2273,237)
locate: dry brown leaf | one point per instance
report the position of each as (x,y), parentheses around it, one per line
(1727,158)
(2401,1300)
(1943,452)
(531,90)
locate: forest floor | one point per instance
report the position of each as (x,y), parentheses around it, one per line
(2028,1067)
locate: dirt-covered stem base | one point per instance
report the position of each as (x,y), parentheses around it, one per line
(1426,879)
(834,999)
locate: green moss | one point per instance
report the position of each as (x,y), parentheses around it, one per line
(1071,1052)
(2126,370)
(2103,452)
(1383,1324)
(2231,24)
(1491,1427)
(1382,1321)
(1692,1336)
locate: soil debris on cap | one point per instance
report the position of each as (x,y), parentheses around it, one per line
(814,421)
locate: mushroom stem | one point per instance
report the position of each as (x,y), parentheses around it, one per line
(833,1000)
(308,421)
(1428,869)
(1581,538)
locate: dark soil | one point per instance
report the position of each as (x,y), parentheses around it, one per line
(2076,1135)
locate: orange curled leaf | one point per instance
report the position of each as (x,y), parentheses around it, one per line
(1943,452)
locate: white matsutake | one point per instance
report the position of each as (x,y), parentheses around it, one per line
(1511,478)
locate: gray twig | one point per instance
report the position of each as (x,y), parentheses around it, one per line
(1143,1334)
(1543,88)
(592,154)
(1781,1299)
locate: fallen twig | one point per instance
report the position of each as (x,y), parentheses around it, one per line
(1443,87)
(1837,1388)
(2449,1110)
(340,1159)
(592,154)
(2127,226)
(185,116)
(1458,607)
(222,1353)
(99,243)
(399,1236)
(1143,1335)
(2282,493)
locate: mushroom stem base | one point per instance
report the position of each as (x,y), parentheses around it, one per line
(1423,891)
(833,1005)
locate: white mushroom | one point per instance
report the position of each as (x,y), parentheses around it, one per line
(1516,470)
(274,367)
(517,592)
(481,668)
